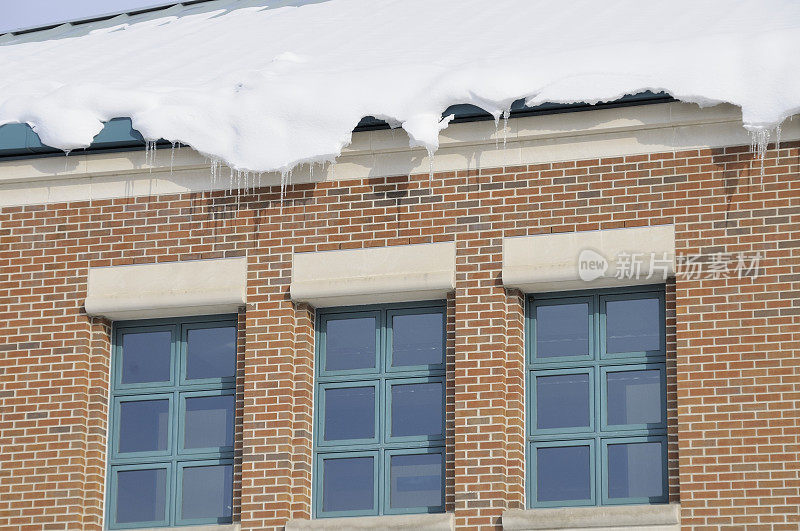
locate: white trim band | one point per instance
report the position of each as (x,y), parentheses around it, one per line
(595,133)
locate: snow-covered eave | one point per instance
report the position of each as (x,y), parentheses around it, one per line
(21,141)
(473,146)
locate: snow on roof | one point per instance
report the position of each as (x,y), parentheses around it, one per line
(266,85)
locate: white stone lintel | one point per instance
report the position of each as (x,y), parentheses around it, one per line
(590,259)
(167,289)
(398,273)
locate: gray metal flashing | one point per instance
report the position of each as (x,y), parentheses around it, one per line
(98,18)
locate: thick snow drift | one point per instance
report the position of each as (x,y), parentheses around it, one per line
(265,85)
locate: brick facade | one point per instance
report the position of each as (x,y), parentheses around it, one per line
(733,344)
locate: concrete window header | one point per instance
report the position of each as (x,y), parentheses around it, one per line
(400,273)
(170,289)
(588,260)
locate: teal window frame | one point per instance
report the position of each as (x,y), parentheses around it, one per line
(175,458)
(383,446)
(597,364)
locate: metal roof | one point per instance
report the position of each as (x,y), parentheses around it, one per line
(96,18)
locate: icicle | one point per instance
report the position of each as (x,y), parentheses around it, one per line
(496,132)
(506,114)
(150,153)
(171,158)
(230,181)
(66,159)
(778,137)
(284,183)
(216,166)
(430,164)
(759,139)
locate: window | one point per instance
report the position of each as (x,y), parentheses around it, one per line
(379,421)
(173,405)
(597,398)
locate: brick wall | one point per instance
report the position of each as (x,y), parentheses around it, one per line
(732,363)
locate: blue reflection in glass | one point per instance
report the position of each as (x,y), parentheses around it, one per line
(635,470)
(141,496)
(562,330)
(418,339)
(349,344)
(562,401)
(562,473)
(633,325)
(143,425)
(417,409)
(209,421)
(349,413)
(146,357)
(348,484)
(634,397)
(416,481)
(211,353)
(207,492)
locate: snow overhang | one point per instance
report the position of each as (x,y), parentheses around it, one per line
(118,134)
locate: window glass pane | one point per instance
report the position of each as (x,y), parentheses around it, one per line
(146,357)
(209,421)
(634,397)
(417,339)
(633,325)
(207,492)
(143,425)
(348,484)
(562,330)
(562,473)
(350,344)
(349,413)
(416,481)
(562,401)
(211,353)
(141,495)
(417,409)
(635,470)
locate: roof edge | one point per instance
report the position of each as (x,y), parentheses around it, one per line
(19,141)
(98,18)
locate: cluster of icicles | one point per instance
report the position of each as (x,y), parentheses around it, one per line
(246,182)
(243,182)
